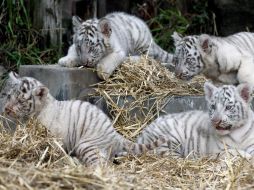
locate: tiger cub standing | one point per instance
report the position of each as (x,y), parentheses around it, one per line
(86,131)
(105,43)
(228,60)
(229,122)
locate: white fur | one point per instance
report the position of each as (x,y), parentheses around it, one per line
(231,59)
(71,60)
(196,134)
(87,131)
(228,60)
(129,37)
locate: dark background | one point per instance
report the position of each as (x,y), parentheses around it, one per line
(39,31)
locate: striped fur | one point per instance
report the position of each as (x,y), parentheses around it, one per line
(229,120)
(86,131)
(105,43)
(228,60)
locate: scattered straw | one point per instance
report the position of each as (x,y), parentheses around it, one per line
(30,159)
(148,77)
(137,93)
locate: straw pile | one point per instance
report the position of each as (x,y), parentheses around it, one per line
(137,93)
(33,159)
(148,77)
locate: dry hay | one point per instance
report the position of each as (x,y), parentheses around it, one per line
(33,159)
(137,93)
(148,77)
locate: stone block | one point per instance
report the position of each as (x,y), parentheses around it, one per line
(73,83)
(63,83)
(173,104)
(184,103)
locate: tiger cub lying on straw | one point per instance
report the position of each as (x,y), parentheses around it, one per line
(228,60)
(86,131)
(105,43)
(229,122)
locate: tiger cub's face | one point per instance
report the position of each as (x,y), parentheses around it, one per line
(189,54)
(90,39)
(22,97)
(228,106)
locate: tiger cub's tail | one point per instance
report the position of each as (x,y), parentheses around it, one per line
(137,149)
(161,55)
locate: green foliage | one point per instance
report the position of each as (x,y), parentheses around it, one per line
(195,21)
(165,24)
(20,43)
(200,21)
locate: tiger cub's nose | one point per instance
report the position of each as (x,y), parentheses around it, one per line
(7,110)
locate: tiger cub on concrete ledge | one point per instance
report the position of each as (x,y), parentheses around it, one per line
(227,60)
(86,131)
(229,122)
(105,43)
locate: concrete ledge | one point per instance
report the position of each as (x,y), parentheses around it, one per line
(63,83)
(73,83)
(185,103)
(173,104)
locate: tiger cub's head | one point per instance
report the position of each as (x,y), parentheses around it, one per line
(23,96)
(190,52)
(91,39)
(228,106)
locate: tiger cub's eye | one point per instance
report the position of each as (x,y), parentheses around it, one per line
(228,107)
(3,94)
(212,106)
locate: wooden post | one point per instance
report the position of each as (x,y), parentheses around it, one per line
(95,8)
(102,8)
(47,17)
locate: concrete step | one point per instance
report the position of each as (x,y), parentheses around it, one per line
(173,104)
(63,83)
(73,83)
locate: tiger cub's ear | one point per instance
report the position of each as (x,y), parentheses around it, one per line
(205,43)
(14,77)
(41,92)
(176,37)
(76,22)
(105,27)
(209,89)
(245,90)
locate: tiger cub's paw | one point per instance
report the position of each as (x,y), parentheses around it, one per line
(103,73)
(68,62)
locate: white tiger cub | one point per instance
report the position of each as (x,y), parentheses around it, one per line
(105,43)
(228,60)
(229,122)
(86,131)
